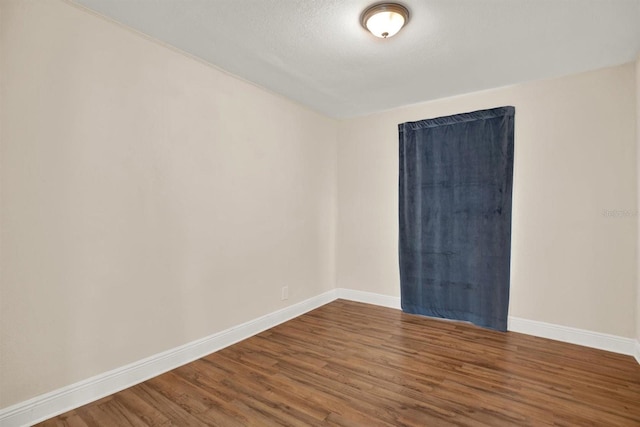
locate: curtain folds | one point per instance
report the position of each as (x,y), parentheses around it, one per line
(455,185)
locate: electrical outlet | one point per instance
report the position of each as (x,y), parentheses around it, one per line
(285,293)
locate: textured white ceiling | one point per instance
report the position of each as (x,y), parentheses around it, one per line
(315,51)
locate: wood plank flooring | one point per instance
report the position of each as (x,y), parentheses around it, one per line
(352,364)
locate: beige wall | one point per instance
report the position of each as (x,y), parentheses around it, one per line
(638,208)
(148,200)
(574,158)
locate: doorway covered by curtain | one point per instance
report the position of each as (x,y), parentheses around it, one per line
(455,185)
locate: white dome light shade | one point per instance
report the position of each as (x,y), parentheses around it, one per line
(385,19)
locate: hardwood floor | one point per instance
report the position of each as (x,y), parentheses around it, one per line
(352,364)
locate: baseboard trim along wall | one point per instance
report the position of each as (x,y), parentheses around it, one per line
(571,335)
(567,334)
(75,395)
(59,401)
(369,298)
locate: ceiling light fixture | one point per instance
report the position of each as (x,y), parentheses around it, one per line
(385,19)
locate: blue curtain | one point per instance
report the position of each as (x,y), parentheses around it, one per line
(456,177)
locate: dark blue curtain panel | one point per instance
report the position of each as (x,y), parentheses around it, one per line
(456,179)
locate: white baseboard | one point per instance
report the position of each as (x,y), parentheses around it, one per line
(571,335)
(369,298)
(62,400)
(374,299)
(598,340)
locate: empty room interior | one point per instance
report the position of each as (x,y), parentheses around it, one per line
(297,212)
